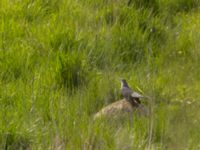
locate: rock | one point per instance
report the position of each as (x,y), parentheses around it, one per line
(121,108)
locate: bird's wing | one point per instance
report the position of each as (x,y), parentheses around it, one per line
(136,95)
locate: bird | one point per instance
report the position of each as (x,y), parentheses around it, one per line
(130,95)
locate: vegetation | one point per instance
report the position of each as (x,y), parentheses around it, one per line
(61,61)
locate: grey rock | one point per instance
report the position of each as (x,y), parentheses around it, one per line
(121,108)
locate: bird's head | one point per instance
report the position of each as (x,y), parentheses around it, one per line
(124,83)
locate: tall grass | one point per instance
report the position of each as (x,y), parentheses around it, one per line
(61,61)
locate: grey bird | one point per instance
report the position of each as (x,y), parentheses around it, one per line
(129,94)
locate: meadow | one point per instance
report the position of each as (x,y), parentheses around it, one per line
(61,62)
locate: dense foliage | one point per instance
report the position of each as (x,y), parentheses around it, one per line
(61,62)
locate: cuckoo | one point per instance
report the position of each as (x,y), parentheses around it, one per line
(130,95)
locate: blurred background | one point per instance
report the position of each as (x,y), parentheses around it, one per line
(61,62)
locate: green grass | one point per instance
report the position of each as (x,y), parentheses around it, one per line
(61,61)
